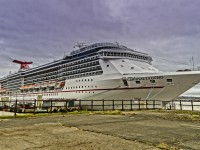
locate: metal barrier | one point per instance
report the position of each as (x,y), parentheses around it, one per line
(66,105)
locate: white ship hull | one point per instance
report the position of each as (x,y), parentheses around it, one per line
(112,87)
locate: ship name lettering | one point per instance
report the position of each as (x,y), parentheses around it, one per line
(144,78)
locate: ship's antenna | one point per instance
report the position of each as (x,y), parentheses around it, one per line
(79,45)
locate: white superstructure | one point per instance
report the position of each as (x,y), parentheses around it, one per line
(98,71)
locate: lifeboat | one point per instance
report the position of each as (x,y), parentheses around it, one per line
(26,87)
(52,84)
(2,90)
(37,86)
(62,84)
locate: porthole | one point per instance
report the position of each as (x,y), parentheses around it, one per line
(137,82)
(169,80)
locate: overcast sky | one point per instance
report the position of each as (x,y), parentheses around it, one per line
(43,30)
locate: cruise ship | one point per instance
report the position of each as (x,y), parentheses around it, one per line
(98,71)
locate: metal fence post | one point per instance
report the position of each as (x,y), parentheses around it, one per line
(91,105)
(139,104)
(113,102)
(103,104)
(51,106)
(180,105)
(15,114)
(122,104)
(153,104)
(192,105)
(34,106)
(146,105)
(66,105)
(131,104)
(80,104)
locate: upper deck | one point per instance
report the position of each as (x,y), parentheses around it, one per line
(82,62)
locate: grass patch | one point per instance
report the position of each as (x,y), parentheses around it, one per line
(166,146)
(114,112)
(177,111)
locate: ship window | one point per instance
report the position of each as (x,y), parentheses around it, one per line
(169,80)
(132,67)
(137,82)
(152,81)
(107,65)
(121,65)
(122,60)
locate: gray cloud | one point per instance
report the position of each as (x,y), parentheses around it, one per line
(43,30)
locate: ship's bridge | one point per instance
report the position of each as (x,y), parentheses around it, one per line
(114,53)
